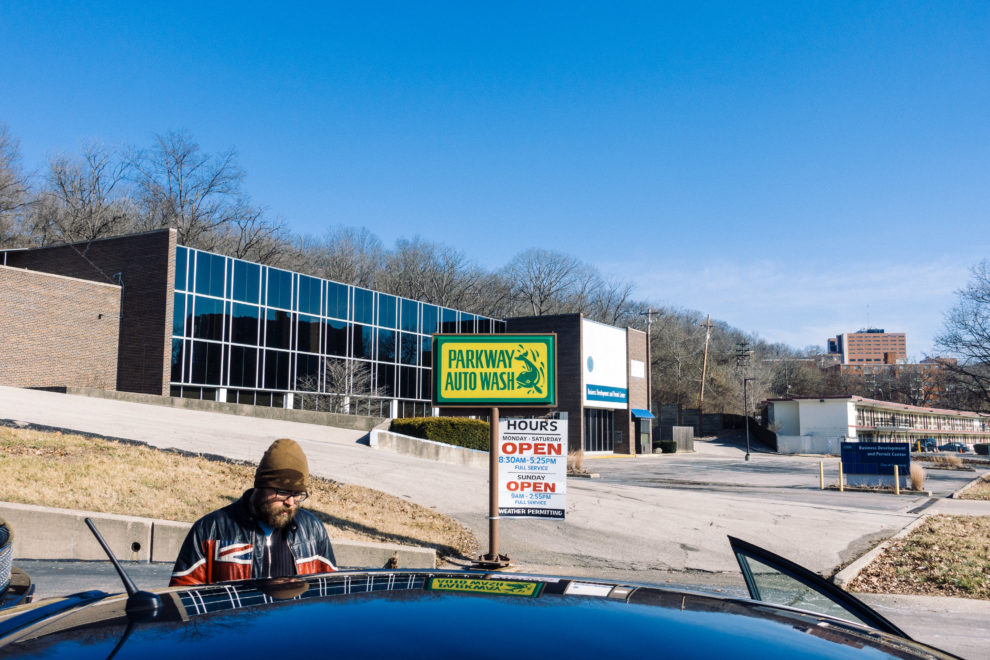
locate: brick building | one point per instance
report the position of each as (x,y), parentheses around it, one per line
(49,322)
(869,346)
(602,382)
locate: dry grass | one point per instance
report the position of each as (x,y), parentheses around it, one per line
(575,462)
(94,474)
(948,461)
(917,476)
(978,491)
(945,556)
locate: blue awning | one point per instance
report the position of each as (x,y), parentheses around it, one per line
(642,414)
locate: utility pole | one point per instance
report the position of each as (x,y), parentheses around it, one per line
(704,366)
(746,414)
(649,354)
(743,356)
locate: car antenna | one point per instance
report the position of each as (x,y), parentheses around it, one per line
(141,605)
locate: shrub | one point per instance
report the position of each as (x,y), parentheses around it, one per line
(575,460)
(668,446)
(948,460)
(917,476)
(457,431)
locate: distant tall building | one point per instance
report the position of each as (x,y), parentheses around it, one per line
(869,346)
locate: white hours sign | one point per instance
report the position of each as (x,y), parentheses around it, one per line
(532,468)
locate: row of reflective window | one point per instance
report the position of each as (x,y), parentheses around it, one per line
(198,317)
(226,365)
(253,285)
(242,325)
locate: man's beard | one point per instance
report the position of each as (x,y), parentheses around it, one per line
(275,514)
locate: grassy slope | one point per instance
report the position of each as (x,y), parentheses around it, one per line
(93,474)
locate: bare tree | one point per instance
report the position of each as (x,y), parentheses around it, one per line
(543,279)
(345,254)
(494,296)
(83,199)
(344,382)
(966,336)
(198,194)
(611,303)
(432,272)
(253,236)
(14,189)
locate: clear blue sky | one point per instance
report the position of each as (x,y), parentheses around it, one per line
(796,169)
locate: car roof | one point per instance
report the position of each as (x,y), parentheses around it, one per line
(436,613)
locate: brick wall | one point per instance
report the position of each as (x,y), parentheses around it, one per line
(639,395)
(57,331)
(145,265)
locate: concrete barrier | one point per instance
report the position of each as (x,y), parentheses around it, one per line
(48,533)
(428,449)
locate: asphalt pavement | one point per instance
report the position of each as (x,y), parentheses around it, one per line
(662,521)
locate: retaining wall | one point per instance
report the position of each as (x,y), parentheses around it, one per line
(48,533)
(429,449)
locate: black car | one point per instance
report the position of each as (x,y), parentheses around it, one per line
(463,614)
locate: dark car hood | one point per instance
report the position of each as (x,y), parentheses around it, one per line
(436,614)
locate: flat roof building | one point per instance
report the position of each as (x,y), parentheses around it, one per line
(193,324)
(869,346)
(817,425)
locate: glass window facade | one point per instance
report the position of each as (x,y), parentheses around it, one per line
(599,430)
(261,333)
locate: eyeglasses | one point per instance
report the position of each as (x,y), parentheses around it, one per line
(283,495)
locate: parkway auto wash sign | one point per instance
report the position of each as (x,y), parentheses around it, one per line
(494,370)
(532,470)
(489,371)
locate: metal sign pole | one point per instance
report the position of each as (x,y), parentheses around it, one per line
(493,559)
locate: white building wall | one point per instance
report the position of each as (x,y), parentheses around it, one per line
(825,417)
(784,417)
(820,426)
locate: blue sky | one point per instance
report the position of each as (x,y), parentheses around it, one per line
(794,169)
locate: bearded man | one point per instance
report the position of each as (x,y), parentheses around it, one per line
(264,534)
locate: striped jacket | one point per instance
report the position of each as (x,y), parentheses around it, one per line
(228,544)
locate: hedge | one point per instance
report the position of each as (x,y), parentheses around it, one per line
(665,446)
(457,431)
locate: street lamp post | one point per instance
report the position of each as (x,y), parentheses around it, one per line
(746,413)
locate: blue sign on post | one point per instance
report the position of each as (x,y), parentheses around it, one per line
(876,457)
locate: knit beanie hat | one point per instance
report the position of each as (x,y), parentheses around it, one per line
(283,466)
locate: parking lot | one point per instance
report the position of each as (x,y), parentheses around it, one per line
(719,465)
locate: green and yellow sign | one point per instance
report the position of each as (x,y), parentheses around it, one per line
(495,370)
(481,586)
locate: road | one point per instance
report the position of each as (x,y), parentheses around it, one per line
(646,519)
(718,466)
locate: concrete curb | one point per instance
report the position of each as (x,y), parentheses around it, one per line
(968,486)
(49,533)
(850,572)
